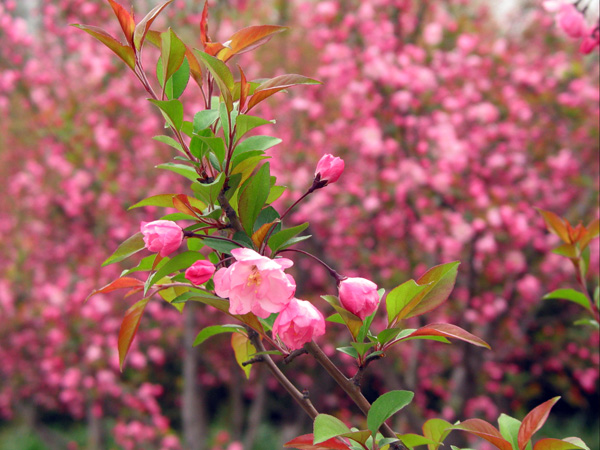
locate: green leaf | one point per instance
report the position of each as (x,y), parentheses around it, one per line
(244,350)
(172,293)
(276,192)
(567,250)
(122,51)
(177,262)
(208,192)
(172,54)
(205,119)
(217,146)
(437,430)
(176,84)
(590,322)
(386,406)
(256,143)
(293,241)
(202,296)
(448,330)
(172,111)
(129,247)
(221,74)
(414,440)
(362,347)
(400,297)
(509,429)
(278,239)
(557,444)
(220,245)
(166,201)
(327,427)
(247,123)
(335,318)
(350,351)
(182,169)
(387,335)
(571,295)
(352,322)
(214,330)
(145,265)
(253,196)
(169,141)
(129,328)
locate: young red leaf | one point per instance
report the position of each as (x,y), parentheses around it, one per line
(195,69)
(119,283)
(142,28)
(449,331)
(213,48)
(125,19)
(277,84)
(122,51)
(244,89)
(534,421)
(555,444)
(248,39)
(485,431)
(129,328)
(305,442)
(204,38)
(555,225)
(182,203)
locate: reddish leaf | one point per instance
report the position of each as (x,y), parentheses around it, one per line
(485,431)
(534,421)
(259,235)
(125,19)
(182,203)
(555,224)
(593,229)
(305,442)
(244,89)
(119,283)
(204,25)
(213,48)
(555,444)
(129,327)
(275,85)
(122,51)
(142,28)
(154,38)
(248,39)
(195,69)
(449,331)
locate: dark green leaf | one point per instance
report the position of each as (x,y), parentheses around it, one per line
(253,196)
(221,74)
(214,330)
(277,240)
(178,262)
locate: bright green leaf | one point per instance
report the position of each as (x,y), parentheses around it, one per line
(385,406)
(129,247)
(246,123)
(205,119)
(172,111)
(214,330)
(187,171)
(327,427)
(243,350)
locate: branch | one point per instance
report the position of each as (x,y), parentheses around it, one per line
(229,211)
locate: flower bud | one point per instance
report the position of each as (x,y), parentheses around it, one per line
(329,168)
(200,272)
(298,324)
(359,296)
(162,236)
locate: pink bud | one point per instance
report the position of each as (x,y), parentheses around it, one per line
(330,168)
(589,43)
(359,296)
(200,272)
(299,323)
(162,236)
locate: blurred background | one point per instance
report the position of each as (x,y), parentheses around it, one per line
(455,119)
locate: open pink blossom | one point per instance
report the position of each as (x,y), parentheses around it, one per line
(255,283)
(299,323)
(162,236)
(200,272)
(329,168)
(359,296)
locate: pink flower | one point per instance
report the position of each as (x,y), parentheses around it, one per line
(589,43)
(200,272)
(572,21)
(299,323)
(359,296)
(329,168)
(255,283)
(162,236)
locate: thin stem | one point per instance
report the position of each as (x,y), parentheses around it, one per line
(298,396)
(205,236)
(332,272)
(348,386)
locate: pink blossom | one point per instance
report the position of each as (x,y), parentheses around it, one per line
(255,283)
(162,236)
(359,296)
(200,272)
(571,21)
(329,168)
(299,323)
